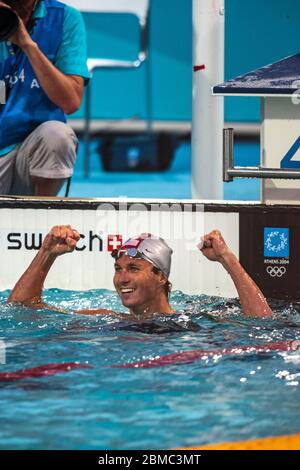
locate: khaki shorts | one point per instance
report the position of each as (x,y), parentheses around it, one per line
(48,152)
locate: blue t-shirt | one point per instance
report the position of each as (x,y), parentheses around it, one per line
(71,58)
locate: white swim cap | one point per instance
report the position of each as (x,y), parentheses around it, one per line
(149,247)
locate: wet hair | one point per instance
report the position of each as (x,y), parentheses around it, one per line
(168,285)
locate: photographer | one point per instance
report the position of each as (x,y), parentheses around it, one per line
(43,65)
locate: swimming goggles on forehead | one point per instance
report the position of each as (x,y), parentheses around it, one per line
(131,252)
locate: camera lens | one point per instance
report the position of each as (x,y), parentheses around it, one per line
(9,23)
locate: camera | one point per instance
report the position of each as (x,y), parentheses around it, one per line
(9,23)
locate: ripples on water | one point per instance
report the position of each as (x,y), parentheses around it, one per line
(214,398)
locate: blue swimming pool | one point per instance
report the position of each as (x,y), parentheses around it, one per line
(214,398)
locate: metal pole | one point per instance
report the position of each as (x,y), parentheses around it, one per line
(255,172)
(87,126)
(228,142)
(208,111)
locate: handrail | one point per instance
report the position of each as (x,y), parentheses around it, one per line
(230,172)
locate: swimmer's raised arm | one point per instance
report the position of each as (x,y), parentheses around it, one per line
(28,290)
(60,240)
(252,299)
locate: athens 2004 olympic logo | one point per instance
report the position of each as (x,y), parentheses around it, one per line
(276,241)
(276,271)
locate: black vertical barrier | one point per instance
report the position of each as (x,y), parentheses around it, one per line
(270,249)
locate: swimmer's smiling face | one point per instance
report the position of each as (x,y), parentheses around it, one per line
(136,283)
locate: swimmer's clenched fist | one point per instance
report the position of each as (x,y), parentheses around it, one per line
(60,240)
(214,246)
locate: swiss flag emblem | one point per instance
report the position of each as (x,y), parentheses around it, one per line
(114,242)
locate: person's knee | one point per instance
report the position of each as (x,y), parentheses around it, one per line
(57,137)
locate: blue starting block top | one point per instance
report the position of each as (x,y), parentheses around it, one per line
(277,79)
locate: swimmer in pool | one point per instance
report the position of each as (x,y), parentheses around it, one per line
(141,279)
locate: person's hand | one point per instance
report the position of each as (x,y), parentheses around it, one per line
(214,246)
(60,240)
(21,37)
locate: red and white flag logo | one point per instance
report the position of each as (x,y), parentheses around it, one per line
(114,242)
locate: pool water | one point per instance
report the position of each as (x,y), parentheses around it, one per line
(215,398)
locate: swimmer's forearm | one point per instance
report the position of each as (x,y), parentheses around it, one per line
(65,91)
(29,287)
(252,299)
(98,311)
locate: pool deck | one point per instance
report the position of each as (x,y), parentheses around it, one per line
(174,183)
